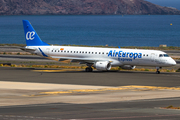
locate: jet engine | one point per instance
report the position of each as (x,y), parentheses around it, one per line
(102,66)
(127,67)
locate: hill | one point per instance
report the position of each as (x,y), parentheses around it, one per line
(83,7)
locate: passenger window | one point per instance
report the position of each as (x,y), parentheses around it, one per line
(89,52)
(67,51)
(61,51)
(74,51)
(77,52)
(92,52)
(71,51)
(144,55)
(86,52)
(99,52)
(64,51)
(55,50)
(102,52)
(52,51)
(80,52)
(147,55)
(106,53)
(95,52)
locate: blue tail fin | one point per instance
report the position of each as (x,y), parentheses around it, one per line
(32,38)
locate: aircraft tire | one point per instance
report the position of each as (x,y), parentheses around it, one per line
(88,69)
(91,69)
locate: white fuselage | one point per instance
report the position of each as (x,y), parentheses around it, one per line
(116,56)
(100,58)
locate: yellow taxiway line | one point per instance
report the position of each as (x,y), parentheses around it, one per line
(153,87)
(63,70)
(131,88)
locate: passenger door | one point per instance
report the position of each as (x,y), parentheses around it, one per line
(153,57)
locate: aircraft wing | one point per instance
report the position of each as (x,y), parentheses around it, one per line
(74,59)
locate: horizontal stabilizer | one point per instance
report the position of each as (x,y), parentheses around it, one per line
(27,49)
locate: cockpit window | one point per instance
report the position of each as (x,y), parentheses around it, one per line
(166,55)
(163,55)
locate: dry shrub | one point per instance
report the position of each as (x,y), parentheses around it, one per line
(13,65)
(142,69)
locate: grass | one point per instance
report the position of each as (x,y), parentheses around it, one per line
(175,58)
(45,66)
(178,70)
(16,53)
(171,107)
(14,44)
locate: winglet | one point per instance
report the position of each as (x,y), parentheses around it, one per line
(32,38)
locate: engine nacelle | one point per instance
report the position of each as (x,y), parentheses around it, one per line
(102,65)
(127,67)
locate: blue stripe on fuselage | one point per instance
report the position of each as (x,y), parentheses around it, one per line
(43,53)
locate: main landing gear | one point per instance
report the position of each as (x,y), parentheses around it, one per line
(158,72)
(89,68)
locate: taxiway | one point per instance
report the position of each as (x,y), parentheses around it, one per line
(29,93)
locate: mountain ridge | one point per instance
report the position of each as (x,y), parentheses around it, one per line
(83,7)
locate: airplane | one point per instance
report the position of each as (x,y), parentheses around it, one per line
(100,58)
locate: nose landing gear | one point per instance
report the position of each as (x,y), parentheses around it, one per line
(158,72)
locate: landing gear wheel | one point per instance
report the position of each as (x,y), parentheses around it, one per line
(157,72)
(88,69)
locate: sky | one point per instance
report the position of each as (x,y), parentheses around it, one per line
(167,3)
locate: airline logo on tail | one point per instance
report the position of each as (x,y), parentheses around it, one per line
(30,35)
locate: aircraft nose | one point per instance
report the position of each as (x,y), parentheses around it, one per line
(173,62)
